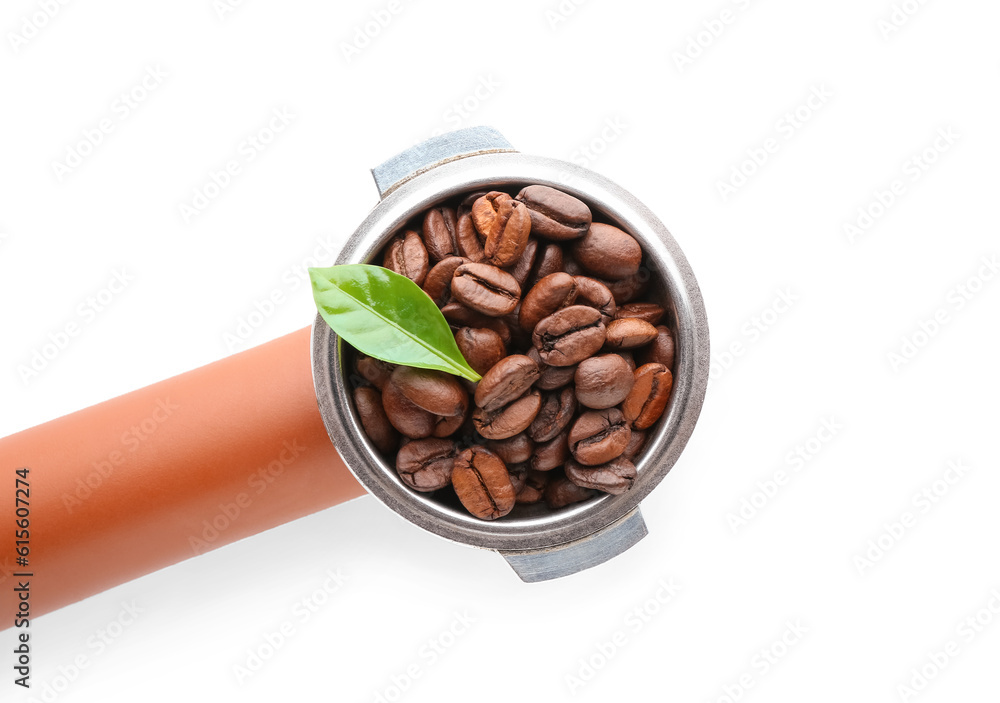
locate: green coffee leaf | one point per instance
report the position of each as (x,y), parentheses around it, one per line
(387,316)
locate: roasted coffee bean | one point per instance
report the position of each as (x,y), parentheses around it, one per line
(554,416)
(649,312)
(571,266)
(406,417)
(629,333)
(590,291)
(603,381)
(569,336)
(514,450)
(629,359)
(459,315)
(519,339)
(437,285)
(426,464)
(552,454)
(436,392)
(628,289)
(554,214)
(551,377)
(482,483)
(441,233)
(518,474)
(534,487)
(608,252)
(505,223)
(506,381)
(649,396)
(368,403)
(467,237)
(375,371)
(635,445)
(482,348)
(548,262)
(525,264)
(614,477)
(447,426)
(552,293)
(562,492)
(661,351)
(407,256)
(598,436)
(485,289)
(509,420)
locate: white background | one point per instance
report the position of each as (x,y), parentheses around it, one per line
(553,88)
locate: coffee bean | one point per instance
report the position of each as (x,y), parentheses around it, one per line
(534,487)
(509,420)
(548,262)
(661,351)
(614,477)
(482,348)
(375,371)
(598,436)
(629,359)
(505,223)
(368,403)
(437,285)
(571,266)
(525,264)
(649,312)
(447,426)
(482,483)
(551,377)
(562,492)
(569,336)
(554,214)
(436,392)
(552,454)
(649,396)
(467,237)
(603,381)
(506,381)
(635,444)
(590,291)
(486,289)
(554,416)
(513,450)
(629,333)
(518,473)
(628,289)
(407,256)
(459,315)
(552,293)
(406,417)
(426,464)
(441,233)
(608,252)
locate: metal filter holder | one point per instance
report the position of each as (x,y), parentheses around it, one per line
(538,544)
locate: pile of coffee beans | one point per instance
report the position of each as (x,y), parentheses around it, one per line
(547,306)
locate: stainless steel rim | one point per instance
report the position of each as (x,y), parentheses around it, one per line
(691,368)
